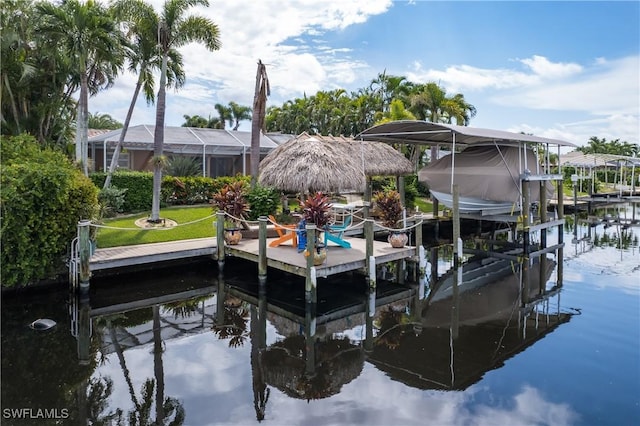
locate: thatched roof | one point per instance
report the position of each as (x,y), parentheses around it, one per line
(307,163)
(329,163)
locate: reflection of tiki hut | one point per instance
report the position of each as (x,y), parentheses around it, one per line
(458,341)
(337,362)
(308,164)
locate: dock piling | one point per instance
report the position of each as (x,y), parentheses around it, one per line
(84,245)
(262,249)
(310,283)
(220,239)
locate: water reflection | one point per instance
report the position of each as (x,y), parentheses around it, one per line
(444,337)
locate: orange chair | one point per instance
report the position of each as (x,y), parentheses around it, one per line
(285,233)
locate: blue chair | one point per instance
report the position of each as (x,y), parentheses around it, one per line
(334,233)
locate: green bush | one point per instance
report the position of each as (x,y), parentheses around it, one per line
(263,201)
(43,196)
(139,186)
(111,201)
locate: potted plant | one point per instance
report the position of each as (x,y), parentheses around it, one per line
(316,209)
(231,200)
(390,209)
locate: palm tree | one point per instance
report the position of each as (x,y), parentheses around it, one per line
(258,120)
(102,121)
(90,38)
(175,30)
(224,114)
(239,113)
(430,102)
(144,58)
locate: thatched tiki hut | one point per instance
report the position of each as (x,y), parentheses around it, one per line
(309,164)
(331,164)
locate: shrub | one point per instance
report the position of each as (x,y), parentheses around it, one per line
(263,201)
(390,207)
(43,196)
(111,201)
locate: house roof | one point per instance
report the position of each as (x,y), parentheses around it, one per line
(427,133)
(190,140)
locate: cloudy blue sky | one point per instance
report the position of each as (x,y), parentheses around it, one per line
(566,70)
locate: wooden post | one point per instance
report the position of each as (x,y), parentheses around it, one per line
(84,245)
(526,211)
(310,283)
(220,239)
(543,212)
(456,225)
(368,235)
(560,266)
(367,198)
(262,249)
(372,272)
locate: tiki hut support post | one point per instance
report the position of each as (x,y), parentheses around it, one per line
(262,249)
(220,239)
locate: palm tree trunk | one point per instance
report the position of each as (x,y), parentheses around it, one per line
(116,152)
(158,142)
(81,126)
(257,121)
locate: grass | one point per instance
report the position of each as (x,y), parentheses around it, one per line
(193,222)
(190,225)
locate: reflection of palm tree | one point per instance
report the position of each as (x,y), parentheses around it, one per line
(184,308)
(234,326)
(98,393)
(389,334)
(260,389)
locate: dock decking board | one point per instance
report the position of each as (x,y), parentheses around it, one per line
(284,257)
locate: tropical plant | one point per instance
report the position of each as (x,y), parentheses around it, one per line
(103,121)
(37,78)
(43,197)
(231,200)
(175,30)
(389,206)
(239,113)
(144,57)
(182,166)
(88,36)
(224,115)
(316,209)
(263,201)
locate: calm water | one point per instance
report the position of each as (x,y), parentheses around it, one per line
(215,350)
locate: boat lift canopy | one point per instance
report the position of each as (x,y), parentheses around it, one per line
(427,133)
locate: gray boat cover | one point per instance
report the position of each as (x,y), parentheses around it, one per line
(485,172)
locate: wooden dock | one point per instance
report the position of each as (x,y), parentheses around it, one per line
(285,257)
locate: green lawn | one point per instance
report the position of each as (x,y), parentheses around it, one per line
(193,222)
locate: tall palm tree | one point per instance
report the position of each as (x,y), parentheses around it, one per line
(239,113)
(258,120)
(89,36)
(144,57)
(175,30)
